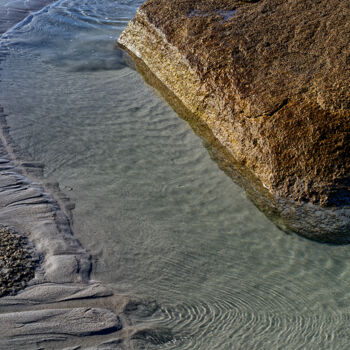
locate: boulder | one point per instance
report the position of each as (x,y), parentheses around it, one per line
(270,80)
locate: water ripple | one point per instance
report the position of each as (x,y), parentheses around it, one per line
(160,218)
(237,328)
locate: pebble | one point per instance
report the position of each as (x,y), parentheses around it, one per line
(17,262)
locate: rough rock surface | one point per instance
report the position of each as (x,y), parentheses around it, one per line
(270,78)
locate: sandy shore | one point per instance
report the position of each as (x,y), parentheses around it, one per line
(58,291)
(45,284)
(40,254)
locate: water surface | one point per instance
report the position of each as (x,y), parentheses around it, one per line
(160,218)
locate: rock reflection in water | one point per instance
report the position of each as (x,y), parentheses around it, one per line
(160,219)
(278,210)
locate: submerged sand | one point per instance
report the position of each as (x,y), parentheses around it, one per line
(45,284)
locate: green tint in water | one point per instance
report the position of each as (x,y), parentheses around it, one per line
(160,218)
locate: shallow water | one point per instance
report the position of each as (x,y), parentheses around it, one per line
(160,218)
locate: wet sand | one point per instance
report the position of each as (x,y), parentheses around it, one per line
(45,280)
(61,290)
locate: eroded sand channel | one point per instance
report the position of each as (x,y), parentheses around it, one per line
(158,216)
(48,299)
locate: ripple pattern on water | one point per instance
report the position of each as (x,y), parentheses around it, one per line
(160,218)
(227,326)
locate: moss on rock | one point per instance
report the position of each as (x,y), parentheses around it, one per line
(271,81)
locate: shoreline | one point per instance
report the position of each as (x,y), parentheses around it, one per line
(305,205)
(57,290)
(271,206)
(61,286)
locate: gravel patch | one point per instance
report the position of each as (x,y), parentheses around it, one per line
(18,262)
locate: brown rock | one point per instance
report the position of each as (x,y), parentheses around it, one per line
(270,79)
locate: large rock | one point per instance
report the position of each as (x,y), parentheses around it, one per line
(270,79)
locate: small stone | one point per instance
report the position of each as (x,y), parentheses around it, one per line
(17,264)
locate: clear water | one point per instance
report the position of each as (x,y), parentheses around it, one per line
(160,218)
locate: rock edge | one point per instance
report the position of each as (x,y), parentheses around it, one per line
(283,114)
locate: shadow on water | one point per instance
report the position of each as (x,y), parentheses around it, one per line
(222,275)
(198,319)
(269,205)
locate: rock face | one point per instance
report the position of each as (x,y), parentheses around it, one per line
(270,79)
